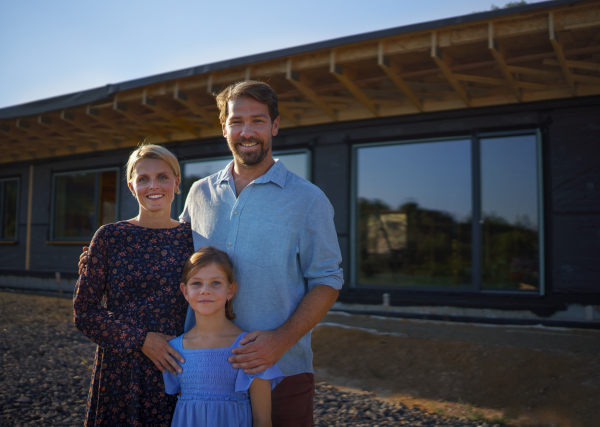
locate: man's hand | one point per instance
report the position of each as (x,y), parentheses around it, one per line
(157,348)
(83,259)
(260,349)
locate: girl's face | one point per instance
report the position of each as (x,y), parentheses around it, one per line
(208,290)
(153,184)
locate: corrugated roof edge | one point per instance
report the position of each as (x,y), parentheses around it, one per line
(104,92)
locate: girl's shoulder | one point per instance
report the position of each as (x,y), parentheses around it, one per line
(177,343)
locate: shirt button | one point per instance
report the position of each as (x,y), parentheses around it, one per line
(229,243)
(235,212)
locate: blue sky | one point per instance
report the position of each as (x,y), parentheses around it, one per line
(50,48)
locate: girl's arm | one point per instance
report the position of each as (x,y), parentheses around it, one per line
(260,399)
(118,332)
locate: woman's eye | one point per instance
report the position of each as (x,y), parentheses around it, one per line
(142,179)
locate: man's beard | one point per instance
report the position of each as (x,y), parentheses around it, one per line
(249,159)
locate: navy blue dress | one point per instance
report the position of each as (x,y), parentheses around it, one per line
(130,286)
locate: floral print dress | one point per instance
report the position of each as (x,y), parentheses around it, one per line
(130,286)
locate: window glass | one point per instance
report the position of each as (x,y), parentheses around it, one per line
(9,190)
(414,214)
(83,201)
(509,213)
(193,171)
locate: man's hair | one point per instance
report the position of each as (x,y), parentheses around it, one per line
(152,151)
(260,91)
(204,257)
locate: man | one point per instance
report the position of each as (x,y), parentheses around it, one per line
(278,230)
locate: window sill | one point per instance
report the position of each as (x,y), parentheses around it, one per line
(68,242)
(8,242)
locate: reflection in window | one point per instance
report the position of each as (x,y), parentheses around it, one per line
(9,190)
(299,163)
(83,201)
(509,205)
(414,214)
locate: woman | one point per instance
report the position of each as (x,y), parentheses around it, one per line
(128,301)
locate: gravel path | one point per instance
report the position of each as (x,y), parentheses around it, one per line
(46,367)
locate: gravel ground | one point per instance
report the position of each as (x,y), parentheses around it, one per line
(46,368)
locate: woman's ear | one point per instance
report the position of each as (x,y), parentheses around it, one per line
(130,185)
(177,182)
(183,290)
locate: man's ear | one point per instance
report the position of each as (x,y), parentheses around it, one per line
(275,128)
(224,127)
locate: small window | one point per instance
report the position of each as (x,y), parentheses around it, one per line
(83,201)
(9,194)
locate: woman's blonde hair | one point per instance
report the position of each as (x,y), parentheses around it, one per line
(152,151)
(204,257)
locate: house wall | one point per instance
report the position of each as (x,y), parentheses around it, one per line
(571,170)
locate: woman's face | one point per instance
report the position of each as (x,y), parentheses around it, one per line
(153,184)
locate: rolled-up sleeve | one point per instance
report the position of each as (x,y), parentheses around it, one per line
(319,249)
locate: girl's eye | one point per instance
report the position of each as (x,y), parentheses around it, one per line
(216,283)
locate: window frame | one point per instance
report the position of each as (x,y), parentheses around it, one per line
(2,212)
(476,279)
(180,201)
(96,171)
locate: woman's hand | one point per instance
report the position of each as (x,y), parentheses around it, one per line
(157,348)
(83,259)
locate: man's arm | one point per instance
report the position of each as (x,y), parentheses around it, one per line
(268,346)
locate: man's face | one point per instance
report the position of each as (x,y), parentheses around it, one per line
(249,131)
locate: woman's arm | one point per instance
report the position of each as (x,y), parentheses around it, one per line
(260,399)
(111,330)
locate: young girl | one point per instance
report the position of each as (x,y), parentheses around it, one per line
(212,392)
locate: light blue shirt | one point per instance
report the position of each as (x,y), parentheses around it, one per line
(280,236)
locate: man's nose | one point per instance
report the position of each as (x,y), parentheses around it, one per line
(247,130)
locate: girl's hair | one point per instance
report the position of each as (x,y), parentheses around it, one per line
(204,257)
(152,151)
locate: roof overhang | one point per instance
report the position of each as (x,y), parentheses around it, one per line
(530,53)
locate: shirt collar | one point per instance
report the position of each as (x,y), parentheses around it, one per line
(277,174)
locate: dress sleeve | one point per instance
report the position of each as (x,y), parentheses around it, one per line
(243,380)
(112,330)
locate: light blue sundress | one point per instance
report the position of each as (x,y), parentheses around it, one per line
(212,392)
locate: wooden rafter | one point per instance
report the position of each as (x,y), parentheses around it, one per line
(71,118)
(499,58)
(46,121)
(443,65)
(289,114)
(385,64)
(582,65)
(346,78)
(493,81)
(155,105)
(133,114)
(558,50)
(98,115)
(303,85)
(192,102)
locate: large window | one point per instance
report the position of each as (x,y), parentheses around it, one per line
(296,161)
(82,202)
(9,192)
(453,214)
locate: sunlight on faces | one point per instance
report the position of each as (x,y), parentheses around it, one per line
(208,290)
(249,131)
(153,184)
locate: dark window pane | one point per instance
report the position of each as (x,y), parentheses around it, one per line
(9,226)
(509,205)
(414,214)
(108,197)
(74,205)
